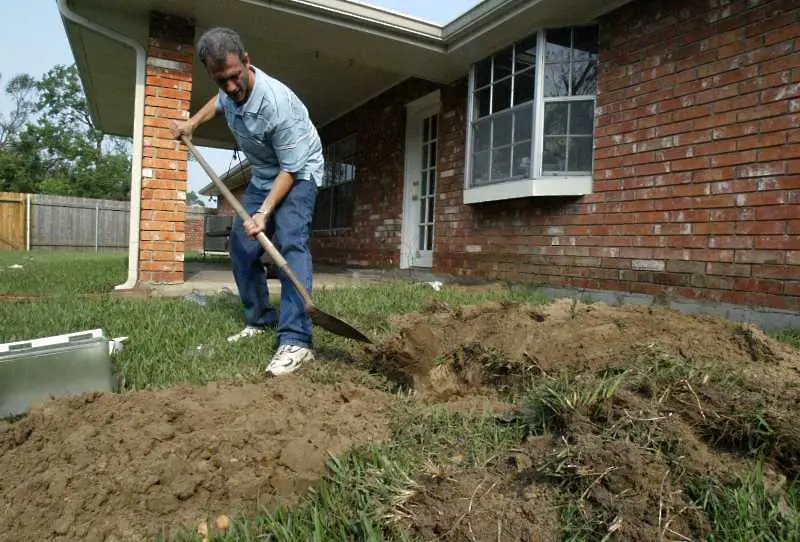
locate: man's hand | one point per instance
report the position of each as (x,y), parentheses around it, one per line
(187,127)
(256,224)
(181,128)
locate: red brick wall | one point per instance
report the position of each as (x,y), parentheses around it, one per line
(374,238)
(168,89)
(697,160)
(193,232)
(225,208)
(698,154)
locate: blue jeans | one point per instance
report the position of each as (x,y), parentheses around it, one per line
(289,229)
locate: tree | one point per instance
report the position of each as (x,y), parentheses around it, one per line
(193,199)
(22,91)
(59,150)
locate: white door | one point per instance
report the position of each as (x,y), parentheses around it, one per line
(421,178)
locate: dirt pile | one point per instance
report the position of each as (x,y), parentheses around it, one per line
(449,353)
(109,467)
(630,411)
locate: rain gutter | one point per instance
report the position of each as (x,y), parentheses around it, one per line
(138,136)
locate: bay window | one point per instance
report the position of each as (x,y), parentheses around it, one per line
(531,117)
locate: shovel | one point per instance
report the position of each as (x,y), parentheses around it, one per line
(326,321)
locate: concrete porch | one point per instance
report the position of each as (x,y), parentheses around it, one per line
(214,276)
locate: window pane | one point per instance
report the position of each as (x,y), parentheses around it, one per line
(523,87)
(483,135)
(322,209)
(581,118)
(502,130)
(483,72)
(482,102)
(432,182)
(430,210)
(554,154)
(501,163)
(423,202)
(584,78)
(434,126)
(558,45)
(480,168)
(502,64)
(585,44)
(523,122)
(423,183)
(555,118)
(343,205)
(429,238)
(522,160)
(424,156)
(525,55)
(432,155)
(421,244)
(425,129)
(556,80)
(580,154)
(501,99)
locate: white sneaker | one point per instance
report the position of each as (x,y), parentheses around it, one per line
(288,358)
(248,331)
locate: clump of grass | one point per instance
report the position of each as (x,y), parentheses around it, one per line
(577,526)
(790,336)
(750,510)
(553,400)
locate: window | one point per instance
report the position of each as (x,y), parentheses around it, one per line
(334,208)
(532,111)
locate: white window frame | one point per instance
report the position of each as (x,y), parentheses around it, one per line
(539,183)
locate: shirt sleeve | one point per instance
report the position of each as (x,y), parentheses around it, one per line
(218,106)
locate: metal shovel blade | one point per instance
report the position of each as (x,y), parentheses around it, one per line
(323,320)
(334,325)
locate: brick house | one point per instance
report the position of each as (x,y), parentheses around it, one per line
(633,147)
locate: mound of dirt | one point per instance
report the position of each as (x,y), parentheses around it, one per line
(630,410)
(126,467)
(447,353)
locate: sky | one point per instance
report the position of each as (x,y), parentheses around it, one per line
(35,28)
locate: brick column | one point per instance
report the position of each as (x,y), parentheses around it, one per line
(168,92)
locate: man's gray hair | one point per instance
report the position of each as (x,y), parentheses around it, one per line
(217,43)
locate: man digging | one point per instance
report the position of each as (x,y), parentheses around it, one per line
(273,129)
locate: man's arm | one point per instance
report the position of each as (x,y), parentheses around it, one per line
(280,187)
(206,113)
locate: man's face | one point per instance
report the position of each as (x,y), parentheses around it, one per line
(233,77)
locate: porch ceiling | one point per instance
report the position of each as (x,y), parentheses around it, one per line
(335,54)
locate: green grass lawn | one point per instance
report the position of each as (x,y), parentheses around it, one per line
(174,341)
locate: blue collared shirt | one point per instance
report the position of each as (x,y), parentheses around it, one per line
(275,132)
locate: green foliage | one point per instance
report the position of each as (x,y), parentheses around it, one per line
(49,144)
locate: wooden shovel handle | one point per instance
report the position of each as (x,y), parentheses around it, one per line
(273,252)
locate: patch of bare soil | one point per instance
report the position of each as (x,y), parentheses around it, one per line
(111,467)
(636,405)
(485,504)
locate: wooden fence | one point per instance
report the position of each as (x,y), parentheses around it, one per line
(39,221)
(12,221)
(78,223)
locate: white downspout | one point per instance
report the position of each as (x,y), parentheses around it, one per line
(138,136)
